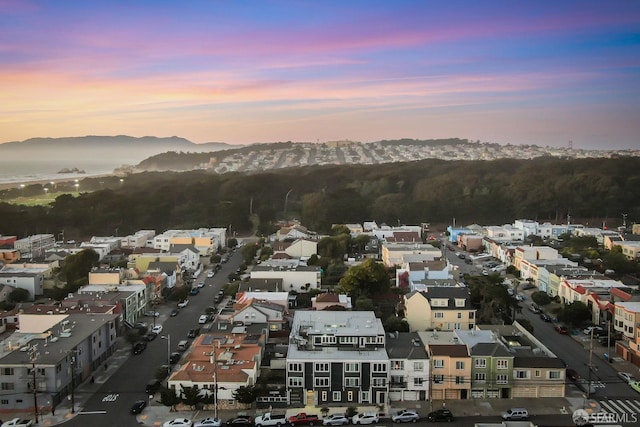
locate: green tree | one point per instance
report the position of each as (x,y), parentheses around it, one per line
(313,260)
(249,252)
(575,314)
(541,298)
(191,396)
(168,397)
(367,279)
(394,324)
(364,304)
(245,394)
(18,295)
(266,252)
(340,229)
(616,261)
(232,242)
(77,266)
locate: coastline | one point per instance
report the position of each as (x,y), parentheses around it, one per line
(18,183)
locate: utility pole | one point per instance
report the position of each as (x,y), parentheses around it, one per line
(590,364)
(73,384)
(33,355)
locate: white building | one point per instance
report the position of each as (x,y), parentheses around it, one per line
(34,246)
(298,278)
(139,239)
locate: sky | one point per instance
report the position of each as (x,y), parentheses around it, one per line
(508,71)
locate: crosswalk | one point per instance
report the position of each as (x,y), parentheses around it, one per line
(620,406)
(598,384)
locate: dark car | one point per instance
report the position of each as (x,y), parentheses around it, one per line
(153,386)
(138,406)
(562,330)
(193,333)
(174,357)
(545,317)
(139,347)
(150,336)
(194,291)
(174,312)
(440,415)
(241,421)
(572,375)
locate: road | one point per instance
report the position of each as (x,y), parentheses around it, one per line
(110,406)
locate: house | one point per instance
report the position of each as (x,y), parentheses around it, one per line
(220,363)
(189,255)
(337,358)
(139,239)
(627,318)
(205,240)
(441,308)
(133,298)
(534,253)
(29,277)
(65,349)
(328,299)
(417,276)
(34,246)
(394,253)
(300,248)
(408,367)
(597,294)
(260,311)
(299,278)
(450,371)
(7,256)
(294,232)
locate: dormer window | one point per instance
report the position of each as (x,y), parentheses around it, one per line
(460,302)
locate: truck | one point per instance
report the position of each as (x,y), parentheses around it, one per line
(303,419)
(269,419)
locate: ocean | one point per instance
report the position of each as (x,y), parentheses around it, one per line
(24,171)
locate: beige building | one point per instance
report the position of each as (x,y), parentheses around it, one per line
(441,308)
(627,316)
(450,371)
(394,253)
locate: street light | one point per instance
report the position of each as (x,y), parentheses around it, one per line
(168,338)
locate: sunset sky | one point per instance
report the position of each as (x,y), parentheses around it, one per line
(520,72)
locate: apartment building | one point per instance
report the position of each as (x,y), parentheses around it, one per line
(34,246)
(440,308)
(408,367)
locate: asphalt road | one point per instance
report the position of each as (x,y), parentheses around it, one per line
(111,404)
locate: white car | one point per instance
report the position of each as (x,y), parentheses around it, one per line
(18,422)
(405,416)
(203,319)
(626,377)
(208,422)
(157,329)
(210,274)
(183,304)
(335,420)
(201,284)
(365,418)
(178,422)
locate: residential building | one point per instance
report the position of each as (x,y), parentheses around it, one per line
(598,294)
(534,253)
(327,300)
(337,358)
(139,239)
(300,248)
(491,371)
(133,298)
(450,371)
(300,278)
(528,226)
(34,246)
(408,367)
(394,253)
(627,318)
(260,311)
(504,233)
(29,277)
(441,308)
(205,240)
(7,256)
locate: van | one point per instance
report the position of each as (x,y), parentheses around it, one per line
(153,386)
(183,345)
(515,414)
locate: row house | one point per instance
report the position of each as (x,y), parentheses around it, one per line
(337,358)
(257,310)
(504,233)
(450,371)
(441,308)
(220,363)
(627,321)
(293,232)
(599,295)
(24,276)
(411,274)
(205,240)
(300,248)
(534,270)
(544,231)
(299,278)
(132,298)
(139,239)
(550,276)
(534,253)
(470,242)
(408,367)
(64,349)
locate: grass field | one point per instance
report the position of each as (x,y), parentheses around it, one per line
(43,200)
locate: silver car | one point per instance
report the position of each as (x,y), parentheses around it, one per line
(335,420)
(405,416)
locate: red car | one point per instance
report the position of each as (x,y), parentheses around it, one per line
(560,329)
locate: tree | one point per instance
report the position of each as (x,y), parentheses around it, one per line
(394,324)
(249,252)
(313,260)
(575,314)
(168,397)
(364,304)
(190,396)
(541,298)
(367,279)
(245,394)
(18,295)
(77,266)
(232,242)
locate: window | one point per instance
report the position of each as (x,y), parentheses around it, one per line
(324,396)
(351,367)
(398,364)
(322,382)
(438,363)
(336,396)
(459,380)
(352,382)
(295,367)
(554,375)
(459,365)
(438,379)
(457,326)
(460,302)
(379,382)
(503,364)
(480,377)
(7,371)
(418,366)
(459,315)
(538,373)
(501,379)
(364,396)
(295,382)
(472,315)
(7,386)
(418,381)
(321,367)
(522,374)
(438,315)
(379,367)
(481,363)
(4,401)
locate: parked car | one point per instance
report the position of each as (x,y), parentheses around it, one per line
(201,284)
(365,418)
(175,357)
(405,416)
(183,303)
(193,333)
(150,336)
(210,274)
(560,329)
(151,313)
(597,331)
(545,317)
(626,377)
(178,422)
(153,386)
(138,406)
(303,419)
(157,329)
(534,308)
(174,312)
(635,385)
(203,319)
(440,415)
(241,421)
(208,422)
(335,420)
(194,291)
